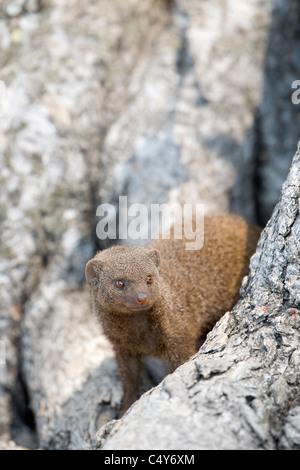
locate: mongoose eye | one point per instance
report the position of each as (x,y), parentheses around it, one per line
(120,284)
(149,280)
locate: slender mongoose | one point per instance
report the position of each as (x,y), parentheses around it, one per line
(162,299)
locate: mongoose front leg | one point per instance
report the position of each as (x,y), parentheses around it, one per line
(129,366)
(178,352)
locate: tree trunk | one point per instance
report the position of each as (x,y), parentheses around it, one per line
(126,98)
(241,390)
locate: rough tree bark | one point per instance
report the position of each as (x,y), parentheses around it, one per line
(242,389)
(116,92)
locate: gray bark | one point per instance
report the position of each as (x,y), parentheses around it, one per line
(275,137)
(242,389)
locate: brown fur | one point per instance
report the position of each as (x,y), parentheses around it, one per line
(190,291)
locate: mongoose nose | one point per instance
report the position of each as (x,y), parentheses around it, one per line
(142,299)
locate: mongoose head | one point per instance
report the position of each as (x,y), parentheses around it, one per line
(124,279)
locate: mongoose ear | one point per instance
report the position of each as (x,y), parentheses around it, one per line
(91,271)
(155,256)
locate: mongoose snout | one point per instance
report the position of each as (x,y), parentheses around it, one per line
(142,298)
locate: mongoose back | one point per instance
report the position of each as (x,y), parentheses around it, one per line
(162,299)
